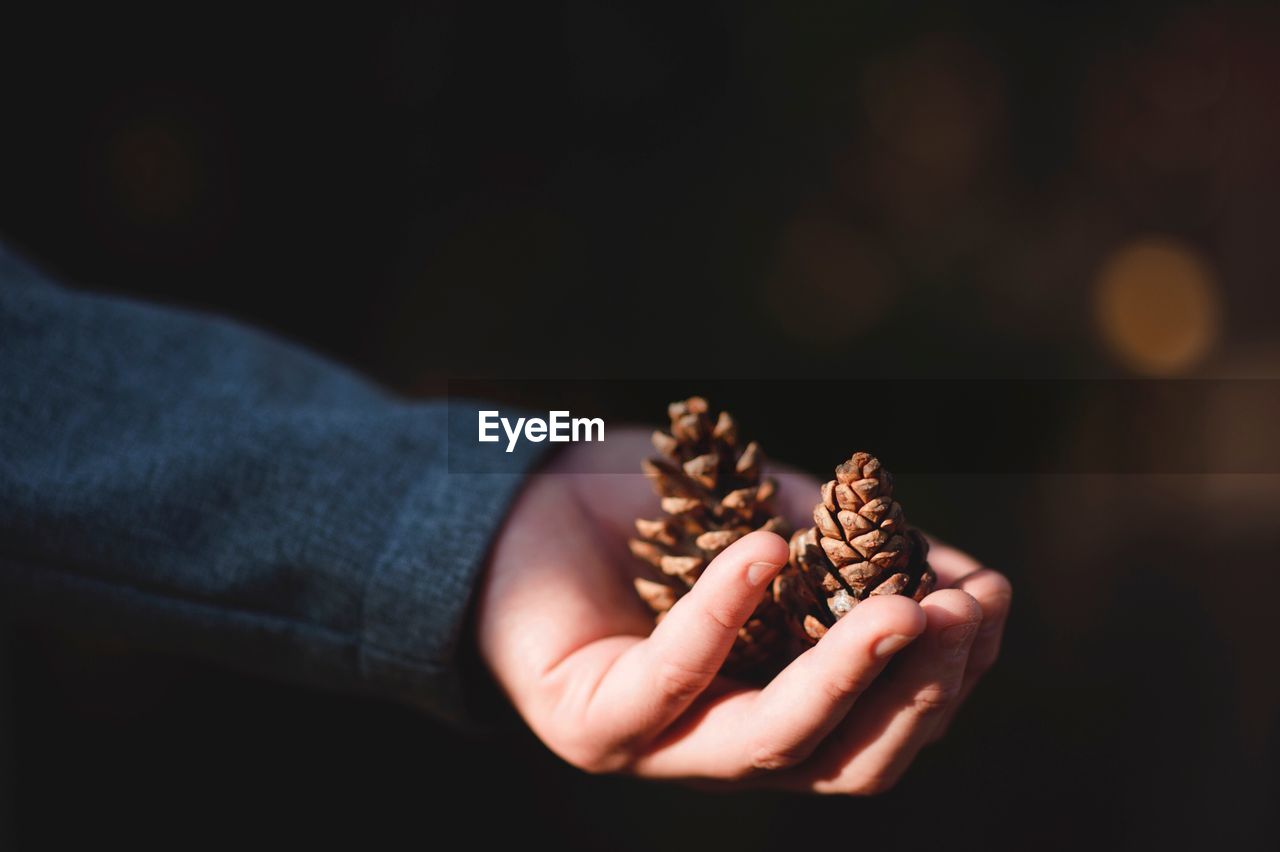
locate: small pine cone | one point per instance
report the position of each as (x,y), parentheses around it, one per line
(713,494)
(860,545)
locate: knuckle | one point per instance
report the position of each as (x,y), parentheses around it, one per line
(838,689)
(723,617)
(680,682)
(933,700)
(774,756)
(603,764)
(593,758)
(585,747)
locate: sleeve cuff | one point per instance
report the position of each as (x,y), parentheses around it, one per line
(421,588)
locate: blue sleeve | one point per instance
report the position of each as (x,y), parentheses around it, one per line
(190,483)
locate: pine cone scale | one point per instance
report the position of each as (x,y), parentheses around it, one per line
(713,493)
(860,545)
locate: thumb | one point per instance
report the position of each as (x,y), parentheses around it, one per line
(655,681)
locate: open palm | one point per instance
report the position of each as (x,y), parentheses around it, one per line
(576,651)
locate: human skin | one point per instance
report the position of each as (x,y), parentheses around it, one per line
(565,636)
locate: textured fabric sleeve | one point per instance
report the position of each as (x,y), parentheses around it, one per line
(187,482)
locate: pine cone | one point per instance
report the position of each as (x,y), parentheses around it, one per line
(860,546)
(713,494)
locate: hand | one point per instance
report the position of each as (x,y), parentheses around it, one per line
(564,634)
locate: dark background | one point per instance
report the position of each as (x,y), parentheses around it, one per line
(841,192)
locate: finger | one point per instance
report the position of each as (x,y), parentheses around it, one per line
(656,680)
(880,739)
(994,594)
(811,696)
(797,494)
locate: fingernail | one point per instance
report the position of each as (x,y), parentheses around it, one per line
(957,636)
(891,644)
(758,573)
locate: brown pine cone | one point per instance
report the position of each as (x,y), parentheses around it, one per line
(860,546)
(713,494)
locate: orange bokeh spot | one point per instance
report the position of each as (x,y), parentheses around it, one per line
(1157,306)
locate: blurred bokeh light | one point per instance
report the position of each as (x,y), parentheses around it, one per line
(1157,306)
